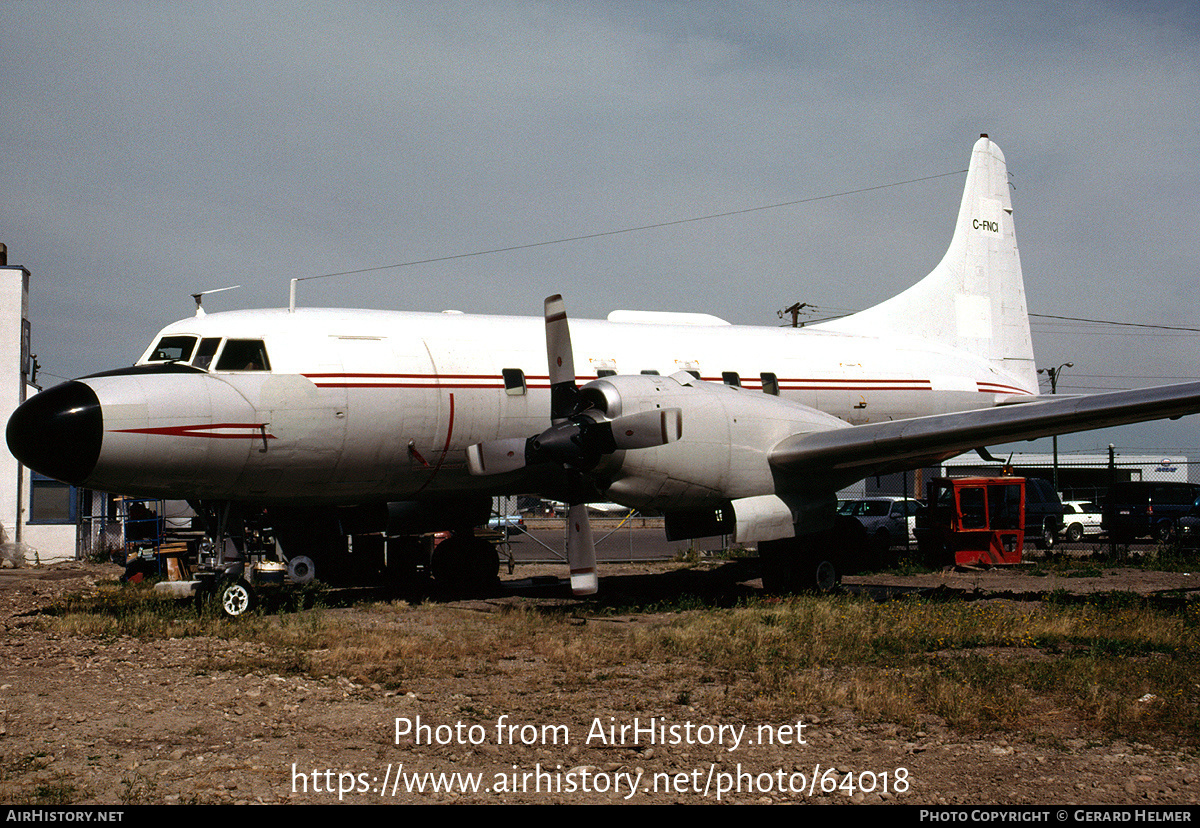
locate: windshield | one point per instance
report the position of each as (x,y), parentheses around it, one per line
(204,354)
(173,349)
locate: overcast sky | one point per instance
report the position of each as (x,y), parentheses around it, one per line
(152,150)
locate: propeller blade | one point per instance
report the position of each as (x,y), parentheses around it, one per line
(496,456)
(560,359)
(581,551)
(646,429)
(577,439)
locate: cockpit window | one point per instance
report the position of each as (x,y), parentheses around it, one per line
(243,355)
(173,349)
(206,351)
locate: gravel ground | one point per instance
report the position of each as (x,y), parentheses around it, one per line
(126,721)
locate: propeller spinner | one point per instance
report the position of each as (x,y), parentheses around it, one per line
(579,436)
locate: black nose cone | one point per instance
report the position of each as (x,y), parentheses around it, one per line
(58,432)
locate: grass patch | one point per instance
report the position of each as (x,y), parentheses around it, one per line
(981,666)
(1117,665)
(1172,558)
(60,791)
(57,790)
(1169,557)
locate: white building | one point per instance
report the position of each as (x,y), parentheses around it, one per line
(37,515)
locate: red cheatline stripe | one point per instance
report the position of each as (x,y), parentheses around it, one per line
(997,388)
(534,381)
(491,381)
(405,385)
(748,377)
(205,430)
(783,387)
(406,376)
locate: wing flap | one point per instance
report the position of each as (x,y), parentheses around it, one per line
(875,448)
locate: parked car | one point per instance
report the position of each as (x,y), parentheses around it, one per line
(887,519)
(1187,527)
(1043,513)
(1080,518)
(1135,509)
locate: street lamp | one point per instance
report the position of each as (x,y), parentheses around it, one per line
(1053,374)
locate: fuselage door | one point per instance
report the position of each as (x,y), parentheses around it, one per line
(302,420)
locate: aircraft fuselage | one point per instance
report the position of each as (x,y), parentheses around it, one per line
(373,405)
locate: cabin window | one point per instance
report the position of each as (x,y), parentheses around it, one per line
(173,349)
(206,352)
(650,373)
(731,378)
(514,382)
(694,373)
(770,384)
(243,355)
(606,372)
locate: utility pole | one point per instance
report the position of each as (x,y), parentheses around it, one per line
(794,310)
(1053,374)
(1112,480)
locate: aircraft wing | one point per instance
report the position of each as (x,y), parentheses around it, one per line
(876,448)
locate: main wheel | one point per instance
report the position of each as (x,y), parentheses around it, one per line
(799,565)
(776,567)
(1075,533)
(465,561)
(826,576)
(237,598)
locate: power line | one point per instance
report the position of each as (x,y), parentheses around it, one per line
(1134,376)
(1147,334)
(654,226)
(1110,322)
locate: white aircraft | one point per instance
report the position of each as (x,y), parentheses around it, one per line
(347,421)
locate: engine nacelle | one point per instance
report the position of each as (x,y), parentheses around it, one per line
(724,451)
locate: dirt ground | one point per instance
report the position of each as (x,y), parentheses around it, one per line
(124,721)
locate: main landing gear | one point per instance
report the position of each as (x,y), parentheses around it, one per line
(466,561)
(812,562)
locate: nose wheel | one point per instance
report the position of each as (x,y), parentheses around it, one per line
(237,598)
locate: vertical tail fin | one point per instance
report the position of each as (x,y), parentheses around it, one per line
(974,300)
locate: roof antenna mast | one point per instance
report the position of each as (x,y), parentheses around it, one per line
(199,296)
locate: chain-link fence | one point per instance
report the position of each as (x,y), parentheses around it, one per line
(1154,489)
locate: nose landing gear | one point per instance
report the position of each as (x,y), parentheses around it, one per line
(237,598)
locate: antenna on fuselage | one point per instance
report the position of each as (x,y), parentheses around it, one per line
(203,293)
